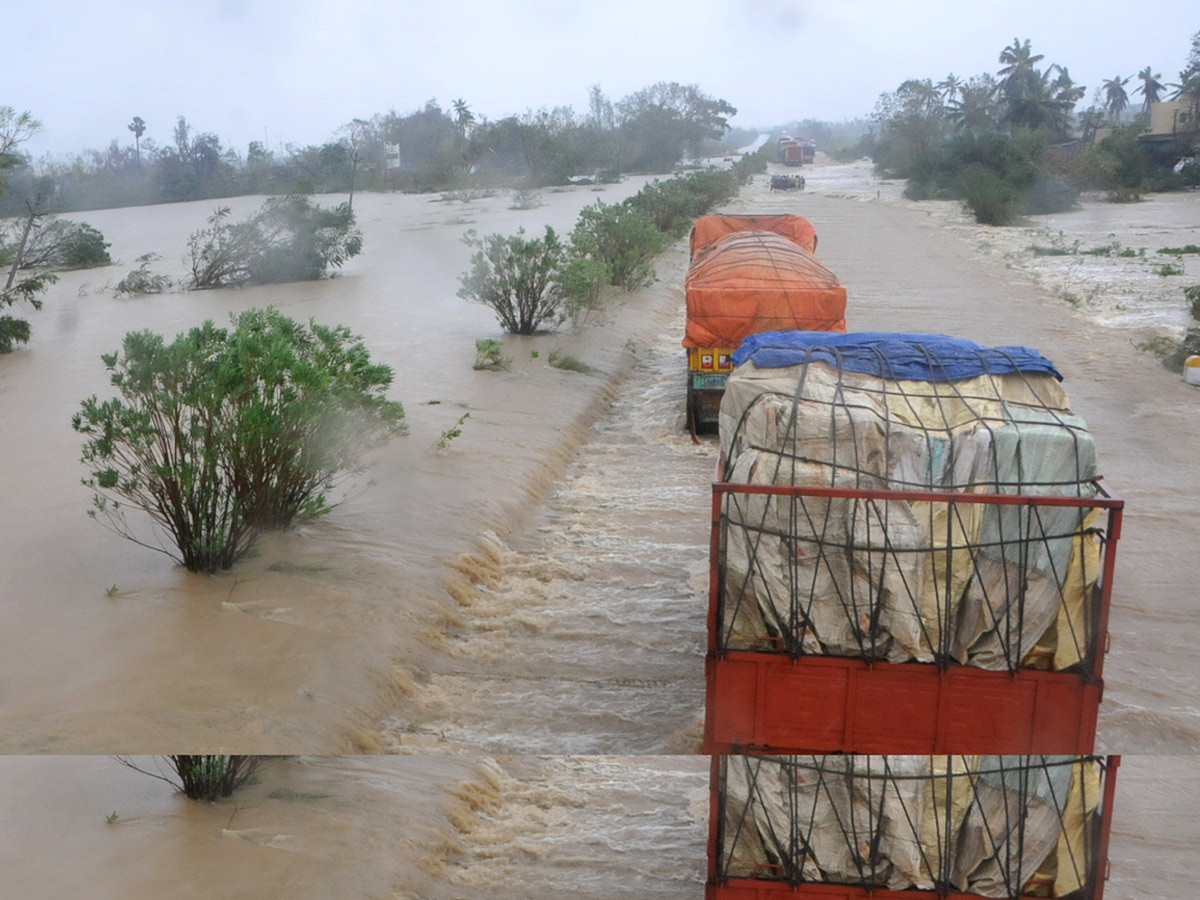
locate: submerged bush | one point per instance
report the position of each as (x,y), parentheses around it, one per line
(288,239)
(673,205)
(1191,294)
(991,199)
(583,281)
(203,777)
(62,244)
(623,238)
(489,354)
(516,277)
(223,434)
(141,280)
(1172,352)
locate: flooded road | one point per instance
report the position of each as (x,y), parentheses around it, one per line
(551,651)
(585,634)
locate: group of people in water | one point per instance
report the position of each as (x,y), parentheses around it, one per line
(787,182)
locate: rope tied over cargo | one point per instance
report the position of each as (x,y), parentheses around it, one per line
(994,826)
(951,520)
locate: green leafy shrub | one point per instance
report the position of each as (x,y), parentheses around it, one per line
(62,244)
(516,277)
(82,246)
(454,431)
(288,239)
(223,434)
(752,164)
(489,354)
(623,238)
(674,204)
(141,280)
(583,281)
(991,199)
(15,331)
(568,363)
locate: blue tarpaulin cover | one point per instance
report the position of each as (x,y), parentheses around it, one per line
(893,355)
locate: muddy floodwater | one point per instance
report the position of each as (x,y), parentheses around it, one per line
(443,827)
(296,647)
(518,614)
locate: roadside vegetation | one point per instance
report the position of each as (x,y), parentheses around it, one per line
(1012,143)
(30,247)
(534,284)
(224,434)
(1172,351)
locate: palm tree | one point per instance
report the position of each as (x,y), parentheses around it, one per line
(977,109)
(1018,59)
(1023,87)
(1115,98)
(462,115)
(1151,87)
(1043,102)
(1066,90)
(138,127)
(950,88)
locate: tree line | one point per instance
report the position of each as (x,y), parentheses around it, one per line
(1012,142)
(429,149)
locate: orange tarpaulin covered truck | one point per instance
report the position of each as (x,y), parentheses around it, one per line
(750,274)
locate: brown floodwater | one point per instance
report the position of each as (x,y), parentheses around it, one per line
(444,827)
(110,646)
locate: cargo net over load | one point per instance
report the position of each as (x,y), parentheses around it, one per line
(907,498)
(992,826)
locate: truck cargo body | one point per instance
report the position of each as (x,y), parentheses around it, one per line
(909,827)
(905,566)
(763,695)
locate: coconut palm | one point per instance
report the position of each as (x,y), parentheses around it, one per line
(950,88)
(1151,87)
(977,108)
(138,127)
(1065,88)
(1025,90)
(1115,98)
(1018,59)
(463,115)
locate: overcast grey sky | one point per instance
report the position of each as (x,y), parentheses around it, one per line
(293,72)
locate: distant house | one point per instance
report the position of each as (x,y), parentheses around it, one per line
(1174,125)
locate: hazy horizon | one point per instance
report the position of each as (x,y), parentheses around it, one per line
(293,74)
